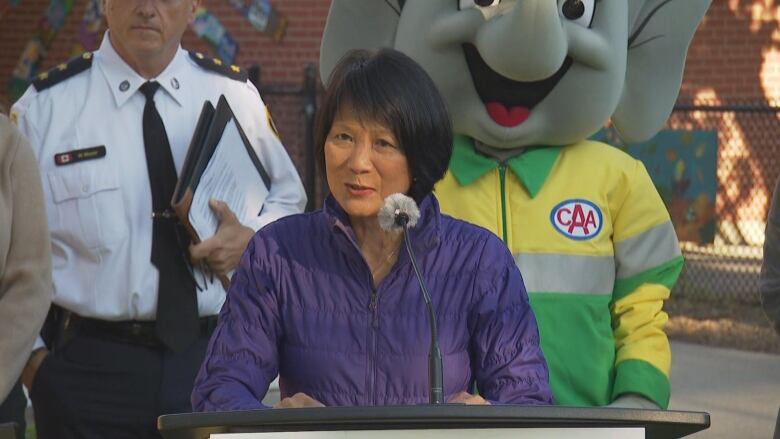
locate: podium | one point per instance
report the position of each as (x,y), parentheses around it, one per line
(448,420)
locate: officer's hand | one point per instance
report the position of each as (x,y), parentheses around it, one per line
(297,401)
(633,401)
(468,398)
(31,368)
(223,251)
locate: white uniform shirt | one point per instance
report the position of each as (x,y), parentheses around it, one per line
(99,210)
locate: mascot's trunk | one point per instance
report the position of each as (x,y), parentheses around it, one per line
(526,44)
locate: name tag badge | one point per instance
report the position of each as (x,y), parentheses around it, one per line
(79,155)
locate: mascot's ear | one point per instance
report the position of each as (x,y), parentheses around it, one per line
(660,32)
(357,24)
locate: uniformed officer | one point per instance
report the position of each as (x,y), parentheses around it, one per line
(110,130)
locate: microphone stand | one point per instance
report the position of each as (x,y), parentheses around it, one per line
(435,370)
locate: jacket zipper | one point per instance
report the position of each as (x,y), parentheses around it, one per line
(373,306)
(502,181)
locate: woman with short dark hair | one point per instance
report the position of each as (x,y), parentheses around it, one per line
(388,90)
(329,300)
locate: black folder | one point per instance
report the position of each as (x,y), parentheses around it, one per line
(208,133)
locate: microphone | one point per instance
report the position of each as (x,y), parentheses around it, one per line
(399,214)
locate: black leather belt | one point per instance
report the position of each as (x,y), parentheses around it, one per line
(130,331)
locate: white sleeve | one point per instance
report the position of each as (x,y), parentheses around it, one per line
(287,195)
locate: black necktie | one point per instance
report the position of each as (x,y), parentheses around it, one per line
(177,306)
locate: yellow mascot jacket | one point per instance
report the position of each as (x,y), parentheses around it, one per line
(598,255)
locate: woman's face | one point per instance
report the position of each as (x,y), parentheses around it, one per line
(364,164)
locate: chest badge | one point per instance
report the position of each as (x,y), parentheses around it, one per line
(577,219)
(79,155)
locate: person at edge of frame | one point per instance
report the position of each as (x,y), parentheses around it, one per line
(769,280)
(25,267)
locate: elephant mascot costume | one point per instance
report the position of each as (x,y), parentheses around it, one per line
(527,83)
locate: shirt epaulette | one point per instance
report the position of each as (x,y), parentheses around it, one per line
(63,71)
(232,71)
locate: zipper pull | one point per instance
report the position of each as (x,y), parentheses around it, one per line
(372,302)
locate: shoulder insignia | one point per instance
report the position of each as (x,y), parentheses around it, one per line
(271,123)
(232,71)
(63,71)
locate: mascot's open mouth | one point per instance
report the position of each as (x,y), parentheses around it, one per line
(508,102)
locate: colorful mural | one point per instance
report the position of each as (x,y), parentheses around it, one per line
(683,167)
(90,34)
(262,16)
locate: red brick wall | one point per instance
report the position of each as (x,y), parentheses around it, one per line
(282,62)
(735,51)
(735,57)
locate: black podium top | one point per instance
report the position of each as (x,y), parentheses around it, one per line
(658,424)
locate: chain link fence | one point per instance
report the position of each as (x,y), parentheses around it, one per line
(727,268)
(293,107)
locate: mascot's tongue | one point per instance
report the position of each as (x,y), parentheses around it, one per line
(507,117)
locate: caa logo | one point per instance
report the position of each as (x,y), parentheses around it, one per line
(577,219)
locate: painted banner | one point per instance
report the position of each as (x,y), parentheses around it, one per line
(208,27)
(683,166)
(89,34)
(262,16)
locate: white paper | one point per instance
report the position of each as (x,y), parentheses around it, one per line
(231,177)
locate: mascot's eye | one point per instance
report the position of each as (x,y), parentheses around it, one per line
(579,11)
(466,4)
